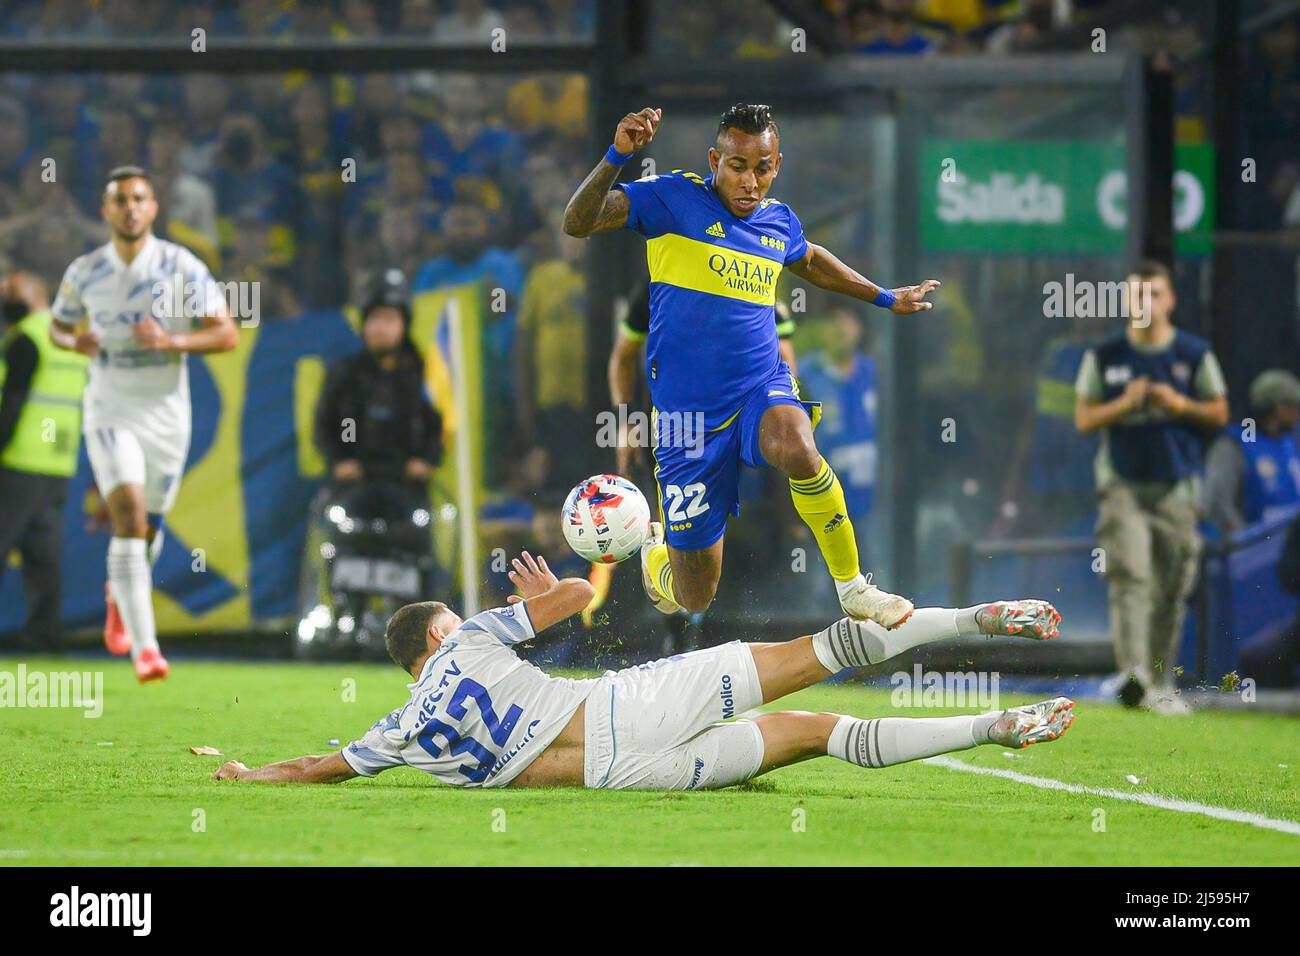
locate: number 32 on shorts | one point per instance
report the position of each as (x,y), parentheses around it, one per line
(692,496)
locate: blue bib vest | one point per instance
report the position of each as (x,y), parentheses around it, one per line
(1270,483)
(1165,451)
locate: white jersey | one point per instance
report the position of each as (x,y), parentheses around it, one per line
(478,715)
(165,281)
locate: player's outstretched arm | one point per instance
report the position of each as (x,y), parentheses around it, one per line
(820,267)
(328,769)
(547,599)
(593,208)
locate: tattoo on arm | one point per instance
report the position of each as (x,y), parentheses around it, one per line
(594,208)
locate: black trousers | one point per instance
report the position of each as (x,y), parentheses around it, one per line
(31,520)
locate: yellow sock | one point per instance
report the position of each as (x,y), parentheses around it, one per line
(661,571)
(820,502)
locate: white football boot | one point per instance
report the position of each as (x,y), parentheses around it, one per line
(654,536)
(863,601)
(1031,618)
(1018,727)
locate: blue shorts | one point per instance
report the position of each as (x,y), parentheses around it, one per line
(699,474)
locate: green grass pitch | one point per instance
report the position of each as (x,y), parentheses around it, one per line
(124,789)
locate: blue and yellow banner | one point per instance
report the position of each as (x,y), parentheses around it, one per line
(233,553)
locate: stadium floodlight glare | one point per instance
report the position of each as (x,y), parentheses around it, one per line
(337,514)
(419,517)
(317,619)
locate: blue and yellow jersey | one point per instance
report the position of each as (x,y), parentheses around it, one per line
(713,335)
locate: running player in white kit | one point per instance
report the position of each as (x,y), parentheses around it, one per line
(479,716)
(146,303)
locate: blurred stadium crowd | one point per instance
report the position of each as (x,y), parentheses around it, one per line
(312,185)
(446,21)
(462,178)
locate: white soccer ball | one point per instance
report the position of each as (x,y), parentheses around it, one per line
(605,519)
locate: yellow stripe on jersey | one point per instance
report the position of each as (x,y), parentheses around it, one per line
(703,267)
(727,424)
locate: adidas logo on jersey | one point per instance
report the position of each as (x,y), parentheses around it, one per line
(716,230)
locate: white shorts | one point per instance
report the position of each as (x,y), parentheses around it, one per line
(656,726)
(126,453)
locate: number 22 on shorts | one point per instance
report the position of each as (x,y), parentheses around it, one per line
(692,496)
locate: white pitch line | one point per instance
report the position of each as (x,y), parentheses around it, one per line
(1147,799)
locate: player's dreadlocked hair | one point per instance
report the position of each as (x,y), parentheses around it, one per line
(753,118)
(405,635)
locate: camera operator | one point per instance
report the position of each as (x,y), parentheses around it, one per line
(375,423)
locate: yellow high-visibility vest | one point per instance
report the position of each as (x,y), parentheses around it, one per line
(48,434)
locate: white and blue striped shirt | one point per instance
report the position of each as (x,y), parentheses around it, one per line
(165,282)
(478,714)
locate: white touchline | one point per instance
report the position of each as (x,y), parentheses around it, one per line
(1148,799)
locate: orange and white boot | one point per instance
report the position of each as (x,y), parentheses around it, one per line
(1018,727)
(150,665)
(115,637)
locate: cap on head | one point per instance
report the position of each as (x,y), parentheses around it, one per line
(388,288)
(1274,387)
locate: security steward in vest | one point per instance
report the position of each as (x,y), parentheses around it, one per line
(1156,394)
(40,434)
(1252,473)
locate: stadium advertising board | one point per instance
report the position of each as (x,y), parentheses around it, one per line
(1055,197)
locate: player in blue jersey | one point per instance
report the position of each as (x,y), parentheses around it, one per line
(720,391)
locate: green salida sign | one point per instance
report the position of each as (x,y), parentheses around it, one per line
(1052,197)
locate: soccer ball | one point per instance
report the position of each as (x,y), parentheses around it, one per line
(605,519)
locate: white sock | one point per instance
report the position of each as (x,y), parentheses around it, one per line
(850,643)
(130,578)
(155,549)
(885,741)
